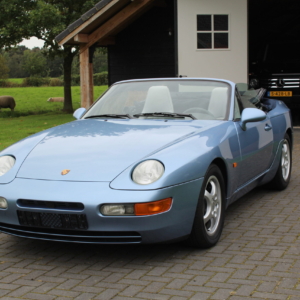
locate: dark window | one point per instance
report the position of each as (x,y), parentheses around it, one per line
(221,22)
(204,41)
(221,40)
(204,22)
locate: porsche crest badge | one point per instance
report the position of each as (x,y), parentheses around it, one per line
(65,172)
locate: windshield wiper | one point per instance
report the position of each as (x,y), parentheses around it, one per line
(165,114)
(110,116)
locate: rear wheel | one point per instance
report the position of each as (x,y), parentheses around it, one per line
(283,174)
(209,218)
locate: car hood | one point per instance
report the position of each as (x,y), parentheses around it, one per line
(99,150)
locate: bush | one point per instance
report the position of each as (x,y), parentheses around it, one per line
(35,81)
(101,78)
(8,84)
(75,80)
(56,82)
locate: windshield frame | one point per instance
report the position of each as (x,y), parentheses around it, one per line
(228,84)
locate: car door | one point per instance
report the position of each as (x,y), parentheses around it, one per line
(256,145)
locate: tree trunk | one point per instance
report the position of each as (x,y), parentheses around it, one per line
(68,59)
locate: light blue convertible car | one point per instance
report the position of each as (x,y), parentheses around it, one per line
(154,160)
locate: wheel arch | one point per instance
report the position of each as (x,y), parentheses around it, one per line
(289,132)
(222,166)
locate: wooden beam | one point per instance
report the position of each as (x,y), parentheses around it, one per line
(81,38)
(86,83)
(88,22)
(116,22)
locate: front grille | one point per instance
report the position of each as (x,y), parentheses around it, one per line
(50,204)
(52,220)
(290,81)
(76,236)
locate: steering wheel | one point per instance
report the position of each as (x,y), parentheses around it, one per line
(199,110)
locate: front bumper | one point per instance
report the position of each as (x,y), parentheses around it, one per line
(164,227)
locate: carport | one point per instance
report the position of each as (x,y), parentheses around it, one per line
(158,38)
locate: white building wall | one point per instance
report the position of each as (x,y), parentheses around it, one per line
(232,63)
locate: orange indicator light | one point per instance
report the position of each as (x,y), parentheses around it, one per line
(153,208)
(234,165)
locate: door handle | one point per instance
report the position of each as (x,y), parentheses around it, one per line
(268,127)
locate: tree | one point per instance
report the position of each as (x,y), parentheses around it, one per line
(14,57)
(14,20)
(4,70)
(47,20)
(35,63)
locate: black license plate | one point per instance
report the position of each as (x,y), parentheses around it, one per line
(52,220)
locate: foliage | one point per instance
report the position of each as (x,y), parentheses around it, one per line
(14,21)
(14,59)
(4,70)
(100,63)
(56,82)
(47,20)
(99,79)
(34,63)
(9,84)
(35,81)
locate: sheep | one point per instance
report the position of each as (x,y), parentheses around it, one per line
(7,102)
(56,99)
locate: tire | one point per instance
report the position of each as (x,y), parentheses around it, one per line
(209,217)
(283,174)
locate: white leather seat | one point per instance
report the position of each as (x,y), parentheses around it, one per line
(218,102)
(158,100)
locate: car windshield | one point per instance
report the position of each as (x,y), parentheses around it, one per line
(182,99)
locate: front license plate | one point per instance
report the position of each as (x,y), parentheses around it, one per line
(52,220)
(281,94)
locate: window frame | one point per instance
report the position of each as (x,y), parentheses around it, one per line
(212,33)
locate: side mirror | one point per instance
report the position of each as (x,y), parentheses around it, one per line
(79,112)
(251,115)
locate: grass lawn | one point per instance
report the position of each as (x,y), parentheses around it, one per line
(15,129)
(33,100)
(33,113)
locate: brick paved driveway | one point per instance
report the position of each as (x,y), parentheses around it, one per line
(257,258)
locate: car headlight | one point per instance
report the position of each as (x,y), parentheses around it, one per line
(148,172)
(6,163)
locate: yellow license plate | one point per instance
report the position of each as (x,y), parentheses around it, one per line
(281,94)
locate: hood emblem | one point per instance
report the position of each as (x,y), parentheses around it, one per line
(65,172)
(280,83)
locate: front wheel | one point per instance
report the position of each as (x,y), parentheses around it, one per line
(209,217)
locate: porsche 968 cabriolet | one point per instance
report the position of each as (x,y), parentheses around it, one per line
(151,161)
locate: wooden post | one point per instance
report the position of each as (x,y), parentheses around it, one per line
(86,78)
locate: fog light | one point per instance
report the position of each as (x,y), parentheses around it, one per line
(117,210)
(3,203)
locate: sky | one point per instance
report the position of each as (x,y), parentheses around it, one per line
(32,42)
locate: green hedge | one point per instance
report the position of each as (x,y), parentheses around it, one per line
(99,79)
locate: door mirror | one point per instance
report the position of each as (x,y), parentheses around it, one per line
(79,112)
(251,115)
